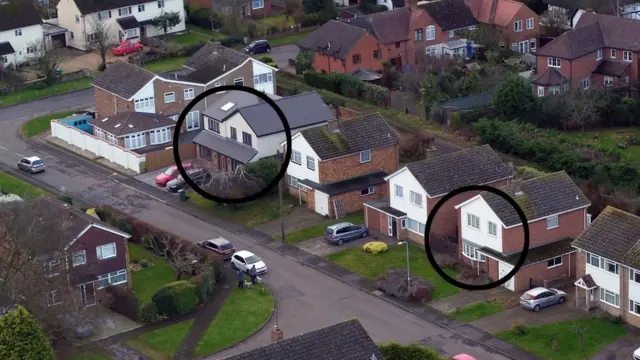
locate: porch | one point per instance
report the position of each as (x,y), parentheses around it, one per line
(222,153)
(381,217)
(586,292)
(131,29)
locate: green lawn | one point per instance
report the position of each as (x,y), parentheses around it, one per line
(165,65)
(13,185)
(478,310)
(252,213)
(279,21)
(90,355)
(243,312)
(209,32)
(318,230)
(189,39)
(537,341)
(289,39)
(20,96)
(372,266)
(161,344)
(608,138)
(41,124)
(147,281)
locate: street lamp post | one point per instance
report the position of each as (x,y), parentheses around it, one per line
(281,211)
(406,243)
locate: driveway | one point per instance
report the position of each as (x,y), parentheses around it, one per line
(281,56)
(621,349)
(320,247)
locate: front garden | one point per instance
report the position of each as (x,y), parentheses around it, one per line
(479,310)
(149,273)
(318,230)
(163,343)
(251,214)
(39,91)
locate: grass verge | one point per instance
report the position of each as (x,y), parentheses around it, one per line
(147,281)
(165,65)
(189,39)
(208,32)
(12,185)
(478,310)
(372,266)
(90,355)
(21,96)
(315,231)
(288,39)
(243,312)
(537,339)
(161,344)
(251,214)
(41,124)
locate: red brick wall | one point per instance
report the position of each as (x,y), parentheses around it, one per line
(375,220)
(364,47)
(509,36)
(346,167)
(539,272)
(108,104)
(420,19)
(264,11)
(160,88)
(353,200)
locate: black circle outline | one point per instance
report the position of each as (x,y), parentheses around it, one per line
(523,255)
(176,145)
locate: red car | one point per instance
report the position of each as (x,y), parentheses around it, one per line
(126,47)
(171,173)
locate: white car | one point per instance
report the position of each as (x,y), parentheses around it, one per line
(245,260)
(636,354)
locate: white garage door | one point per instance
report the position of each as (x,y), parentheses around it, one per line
(322,203)
(503,270)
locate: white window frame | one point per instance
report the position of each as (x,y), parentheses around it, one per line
(145,103)
(608,81)
(632,307)
(529,23)
(523,47)
(431,32)
(53,298)
(135,141)
(111,275)
(169,97)
(82,253)
(415,198)
(554,62)
(627,55)
(403,223)
(517,26)
(363,158)
(492,226)
(473,221)
(296,157)
(584,83)
(77,22)
(616,267)
(189,94)
(599,54)
(311,161)
(104,15)
(293,181)
(418,35)
(540,91)
(265,78)
(238,80)
(18,32)
(554,90)
(100,251)
(160,136)
(592,257)
(418,224)
(514,47)
(613,53)
(369,191)
(471,252)
(551,218)
(399,191)
(534,44)
(141,8)
(554,262)
(452,33)
(634,276)
(160,4)
(50,268)
(124,11)
(257,4)
(193,124)
(603,297)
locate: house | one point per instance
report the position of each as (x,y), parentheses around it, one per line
(416,189)
(124,19)
(607,265)
(139,131)
(243,8)
(601,51)
(239,130)
(337,167)
(491,234)
(20,31)
(347,340)
(517,26)
(566,13)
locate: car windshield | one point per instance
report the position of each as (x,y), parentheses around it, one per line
(226,247)
(329,232)
(38,162)
(527,296)
(252,259)
(553,291)
(170,171)
(253,44)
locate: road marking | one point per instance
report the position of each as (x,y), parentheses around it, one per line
(22,156)
(4,148)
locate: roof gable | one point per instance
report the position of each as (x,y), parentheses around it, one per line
(18,14)
(387,26)
(449,14)
(123,79)
(91,6)
(217,60)
(334,37)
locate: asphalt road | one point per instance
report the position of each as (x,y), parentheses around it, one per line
(72,100)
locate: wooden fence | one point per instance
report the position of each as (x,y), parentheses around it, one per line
(163,158)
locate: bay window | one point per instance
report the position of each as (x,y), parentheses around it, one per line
(114,278)
(160,136)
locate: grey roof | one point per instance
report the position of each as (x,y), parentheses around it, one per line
(6,48)
(132,122)
(468,102)
(362,133)
(353,184)
(240,98)
(300,110)
(450,14)
(128,22)
(342,37)
(614,235)
(212,61)
(384,206)
(50,29)
(18,14)
(476,166)
(225,146)
(541,197)
(536,253)
(347,340)
(123,79)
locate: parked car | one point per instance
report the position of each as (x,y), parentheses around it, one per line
(220,246)
(32,164)
(126,47)
(345,231)
(258,47)
(245,260)
(171,173)
(197,175)
(540,297)
(636,354)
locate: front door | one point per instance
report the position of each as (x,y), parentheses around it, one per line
(143,31)
(87,294)
(393,227)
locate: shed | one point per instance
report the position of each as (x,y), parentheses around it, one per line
(463,104)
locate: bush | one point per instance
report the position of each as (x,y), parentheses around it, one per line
(22,338)
(145,263)
(518,327)
(310,20)
(273,64)
(66,198)
(395,351)
(231,41)
(205,283)
(149,312)
(348,86)
(375,247)
(123,225)
(176,298)
(265,170)
(299,17)
(266,59)
(123,301)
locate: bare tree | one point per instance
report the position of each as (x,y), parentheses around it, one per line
(580,110)
(232,17)
(102,38)
(178,252)
(235,183)
(576,329)
(47,57)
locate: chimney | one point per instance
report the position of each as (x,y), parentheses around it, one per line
(333,125)
(492,13)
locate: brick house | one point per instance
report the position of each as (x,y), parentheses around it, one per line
(343,164)
(607,265)
(517,26)
(416,189)
(600,52)
(244,8)
(491,235)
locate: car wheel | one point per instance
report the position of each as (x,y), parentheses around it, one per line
(233,265)
(536,308)
(561,300)
(340,242)
(364,235)
(269,50)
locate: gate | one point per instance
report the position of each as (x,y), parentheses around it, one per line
(162,158)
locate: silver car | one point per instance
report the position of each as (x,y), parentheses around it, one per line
(536,299)
(342,232)
(32,164)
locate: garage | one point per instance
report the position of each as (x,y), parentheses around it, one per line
(322,203)
(55,34)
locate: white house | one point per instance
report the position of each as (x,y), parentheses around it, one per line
(20,31)
(125,19)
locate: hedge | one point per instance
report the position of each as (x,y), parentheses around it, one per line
(348,86)
(396,351)
(123,301)
(176,298)
(149,312)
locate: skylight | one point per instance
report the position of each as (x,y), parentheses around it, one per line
(130,126)
(105,119)
(228,106)
(117,126)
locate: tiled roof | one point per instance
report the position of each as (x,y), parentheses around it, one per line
(226,146)
(384,206)
(363,133)
(536,254)
(342,38)
(450,14)
(476,166)
(612,67)
(347,340)
(92,6)
(212,61)
(132,122)
(551,76)
(18,14)
(387,26)
(505,11)
(614,235)
(123,79)
(540,197)
(355,183)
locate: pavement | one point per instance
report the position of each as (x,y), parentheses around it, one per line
(282,54)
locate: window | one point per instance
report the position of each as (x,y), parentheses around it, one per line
(292,181)
(263,78)
(552,222)
(634,276)
(430,51)
(105,15)
(91,37)
(160,4)
(608,81)
(141,8)
(555,262)
(246,138)
(238,82)
(553,62)
(627,55)
(71,35)
(418,35)
(613,53)
(160,136)
(31,49)
(415,198)
(213,125)
(131,33)
(18,32)
(257,4)
(493,229)
(365,156)
(146,103)
(356,58)
(585,83)
(79,258)
(533,44)
(377,54)
(106,251)
(452,33)
(473,221)
(189,94)
(193,120)
(611,267)
(398,191)
(124,11)
(135,141)
(529,23)
(311,163)
(514,47)
(523,47)
(588,219)
(634,307)
(53,298)
(234,133)
(517,26)
(296,157)
(599,54)
(169,97)
(403,223)
(431,32)
(472,253)
(540,91)
(228,106)
(415,226)
(52,268)
(368,191)
(204,152)
(609,297)
(114,278)
(554,90)
(397,45)
(593,260)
